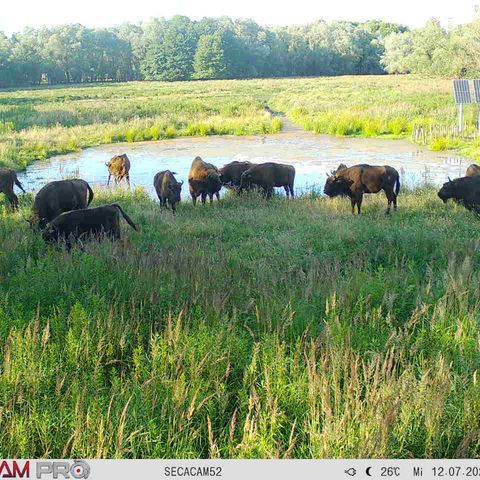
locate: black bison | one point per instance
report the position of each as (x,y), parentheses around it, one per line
(8,178)
(58,197)
(119,168)
(269,175)
(473,170)
(203,180)
(464,190)
(231,174)
(80,224)
(167,188)
(359,179)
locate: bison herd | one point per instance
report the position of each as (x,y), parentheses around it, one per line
(61,209)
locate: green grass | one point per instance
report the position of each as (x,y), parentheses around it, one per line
(282,329)
(38,123)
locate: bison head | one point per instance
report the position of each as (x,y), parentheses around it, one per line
(447,191)
(336,185)
(174,192)
(246,179)
(49,234)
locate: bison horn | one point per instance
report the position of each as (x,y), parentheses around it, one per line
(181,183)
(449,179)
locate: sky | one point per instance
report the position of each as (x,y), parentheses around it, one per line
(105,13)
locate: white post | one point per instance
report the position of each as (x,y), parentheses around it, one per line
(460,117)
(478,119)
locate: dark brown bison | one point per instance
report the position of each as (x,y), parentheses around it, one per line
(58,197)
(80,224)
(464,190)
(167,188)
(473,170)
(231,174)
(269,175)
(119,168)
(8,178)
(203,180)
(359,179)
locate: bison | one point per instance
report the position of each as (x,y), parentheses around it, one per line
(359,179)
(119,168)
(473,170)
(464,190)
(269,175)
(58,197)
(231,174)
(203,180)
(8,178)
(167,188)
(79,224)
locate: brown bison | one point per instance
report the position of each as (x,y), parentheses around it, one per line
(58,197)
(119,168)
(8,178)
(79,224)
(203,180)
(231,174)
(269,175)
(359,179)
(464,190)
(473,170)
(167,188)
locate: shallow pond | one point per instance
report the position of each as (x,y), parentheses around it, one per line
(312,155)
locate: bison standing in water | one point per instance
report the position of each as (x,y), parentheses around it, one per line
(79,224)
(231,174)
(464,190)
(8,178)
(473,170)
(119,168)
(58,197)
(269,175)
(203,180)
(167,188)
(359,179)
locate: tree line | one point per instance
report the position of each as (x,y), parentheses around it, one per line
(222,48)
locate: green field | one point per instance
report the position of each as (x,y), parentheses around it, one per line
(38,123)
(281,329)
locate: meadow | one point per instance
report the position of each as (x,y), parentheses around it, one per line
(38,123)
(245,329)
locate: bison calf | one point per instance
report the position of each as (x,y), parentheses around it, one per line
(167,188)
(359,179)
(203,180)
(269,175)
(58,197)
(78,224)
(231,174)
(8,178)
(119,168)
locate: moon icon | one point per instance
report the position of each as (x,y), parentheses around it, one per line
(367,471)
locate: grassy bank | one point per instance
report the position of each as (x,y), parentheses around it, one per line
(245,329)
(38,123)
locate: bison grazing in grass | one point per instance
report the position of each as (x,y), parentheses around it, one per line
(119,168)
(464,190)
(167,188)
(58,197)
(92,222)
(8,178)
(231,174)
(359,179)
(203,180)
(473,170)
(269,175)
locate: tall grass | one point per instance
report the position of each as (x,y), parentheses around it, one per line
(245,329)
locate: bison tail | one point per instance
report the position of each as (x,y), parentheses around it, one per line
(397,185)
(125,216)
(90,195)
(19,185)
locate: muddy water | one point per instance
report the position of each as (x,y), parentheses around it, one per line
(312,155)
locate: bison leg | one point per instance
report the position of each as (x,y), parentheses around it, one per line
(217,194)
(194,199)
(128,180)
(173,208)
(391,198)
(290,187)
(287,191)
(210,196)
(108,181)
(204,198)
(353,202)
(13,199)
